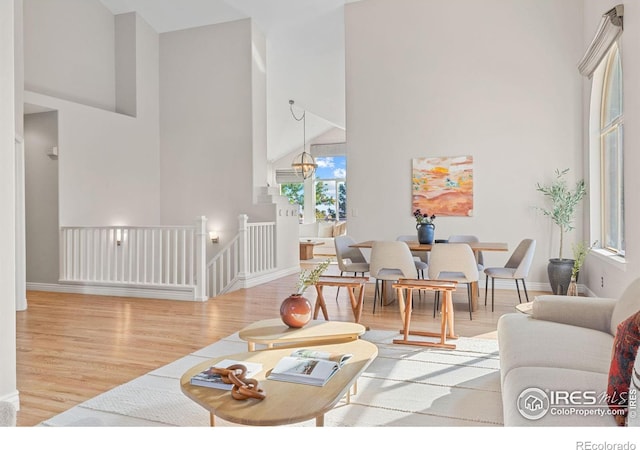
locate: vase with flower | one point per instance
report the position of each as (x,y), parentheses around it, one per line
(295,310)
(580,251)
(425,226)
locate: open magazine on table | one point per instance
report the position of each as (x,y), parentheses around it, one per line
(308,367)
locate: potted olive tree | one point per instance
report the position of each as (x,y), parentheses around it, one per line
(564,202)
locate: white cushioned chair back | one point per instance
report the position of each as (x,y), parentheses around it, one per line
(392,255)
(522,258)
(628,304)
(423,256)
(344,251)
(453,258)
(456,238)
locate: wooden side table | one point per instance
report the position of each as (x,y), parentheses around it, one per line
(306,249)
(273,332)
(525,308)
(446,325)
(350,284)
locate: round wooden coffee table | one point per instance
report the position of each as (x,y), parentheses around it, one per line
(273,332)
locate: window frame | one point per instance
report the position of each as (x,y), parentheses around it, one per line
(609,183)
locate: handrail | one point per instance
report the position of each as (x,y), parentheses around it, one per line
(251,252)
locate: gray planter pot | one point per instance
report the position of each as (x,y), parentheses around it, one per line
(559,271)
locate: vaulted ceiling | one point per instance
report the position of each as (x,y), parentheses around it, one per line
(305,55)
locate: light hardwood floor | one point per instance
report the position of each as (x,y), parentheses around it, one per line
(72,347)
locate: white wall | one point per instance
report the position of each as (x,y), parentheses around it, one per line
(8,386)
(258,108)
(493,79)
(207,126)
(108,162)
(41,189)
(603,276)
(72,54)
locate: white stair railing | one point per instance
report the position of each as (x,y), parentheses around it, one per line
(165,257)
(170,258)
(251,252)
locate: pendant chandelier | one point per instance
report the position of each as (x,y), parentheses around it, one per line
(303,164)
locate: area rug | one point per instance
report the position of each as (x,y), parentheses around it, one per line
(405,386)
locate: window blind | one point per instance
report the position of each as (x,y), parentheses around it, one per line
(335,149)
(284,176)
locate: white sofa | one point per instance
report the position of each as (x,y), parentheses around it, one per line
(565,345)
(323,232)
(7,414)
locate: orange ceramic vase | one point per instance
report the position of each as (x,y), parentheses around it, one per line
(295,311)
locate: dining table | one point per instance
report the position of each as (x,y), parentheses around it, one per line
(477,247)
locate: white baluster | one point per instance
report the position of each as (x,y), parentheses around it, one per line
(201,258)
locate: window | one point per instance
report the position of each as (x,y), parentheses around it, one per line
(294,192)
(331,189)
(326,191)
(611,155)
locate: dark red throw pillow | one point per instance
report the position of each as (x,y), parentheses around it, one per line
(625,348)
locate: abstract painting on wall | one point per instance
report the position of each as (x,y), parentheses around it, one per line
(443,186)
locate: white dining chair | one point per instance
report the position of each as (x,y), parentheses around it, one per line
(421,258)
(454,262)
(516,268)
(390,261)
(456,238)
(349,259)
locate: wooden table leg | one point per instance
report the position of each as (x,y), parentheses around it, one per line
(444,316)
(320,303)
(387,293)
(448,298)
(405,311)
(356,304)
(474,296)
(358,310)
(446,322)
(212,420)
(320,421)
(401,306)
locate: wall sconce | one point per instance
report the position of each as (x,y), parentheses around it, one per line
(214,237)
(118,237)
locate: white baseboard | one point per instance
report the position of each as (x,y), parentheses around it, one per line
(161,293)
(244,283)
(116,291)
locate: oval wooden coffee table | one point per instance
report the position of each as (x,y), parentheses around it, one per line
(273,332)
(285,402)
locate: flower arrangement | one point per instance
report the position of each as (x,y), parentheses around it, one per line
(310,277)
(423,218)
(580,252)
